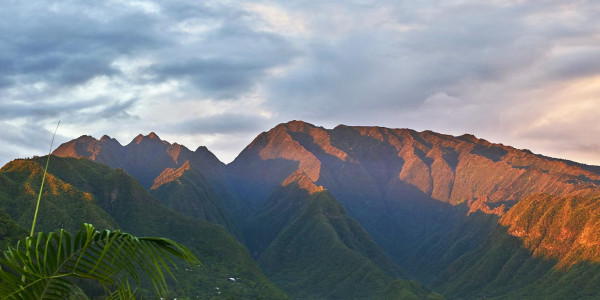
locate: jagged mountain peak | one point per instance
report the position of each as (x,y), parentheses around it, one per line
(82,146)
(298,126)
(86,138)
(203,150)
(105,139)
(145,157)
(150,138)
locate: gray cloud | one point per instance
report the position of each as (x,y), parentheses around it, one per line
(227,123)
(580,63)
(25,140)
(228,61)
(492,68)
(33,110)
(66,47)
(371,68)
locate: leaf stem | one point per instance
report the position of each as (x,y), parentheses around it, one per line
(37,207)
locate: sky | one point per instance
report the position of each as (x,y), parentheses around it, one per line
(217,73)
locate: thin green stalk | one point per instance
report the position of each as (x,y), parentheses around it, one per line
(37,207)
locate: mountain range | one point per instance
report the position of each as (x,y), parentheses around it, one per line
(346,213)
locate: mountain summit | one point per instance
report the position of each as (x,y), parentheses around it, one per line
(381,161)
(355,210)
(171,172)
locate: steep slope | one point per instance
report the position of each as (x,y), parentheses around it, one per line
(321,252)
(155,162)
(64,205)
(426,198)
(185,190)
(317,241)
(544,247)
(566,229)
(113,194)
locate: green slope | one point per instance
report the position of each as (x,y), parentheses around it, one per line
(63,205)
(10,231)
(156,163)
(125,204)
(545,247)
(428,199)
(280,209)
(322,253)
(501,268)
(189,193)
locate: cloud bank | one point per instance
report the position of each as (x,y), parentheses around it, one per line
(216,73)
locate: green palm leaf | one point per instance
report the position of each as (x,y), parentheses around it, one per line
(43,266)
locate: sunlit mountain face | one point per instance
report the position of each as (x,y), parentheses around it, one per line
(433,201)
(314,149)
(349,212)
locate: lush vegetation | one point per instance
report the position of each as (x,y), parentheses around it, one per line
(10,232)
(463,216)
(544,247)
(48,266)
(187,191)
(503,268)
(45,266)
(319,237)
(86,190)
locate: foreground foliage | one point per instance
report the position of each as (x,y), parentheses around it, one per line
(47,265)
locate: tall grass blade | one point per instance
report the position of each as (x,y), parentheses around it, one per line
(37,207)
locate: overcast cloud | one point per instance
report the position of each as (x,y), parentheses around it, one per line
(217,73)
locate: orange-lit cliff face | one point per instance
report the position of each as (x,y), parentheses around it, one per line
(464,169)
(170,175)
(390,180)
(566,229)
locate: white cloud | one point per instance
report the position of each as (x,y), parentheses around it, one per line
(277,20)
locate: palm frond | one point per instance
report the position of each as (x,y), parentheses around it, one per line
(41,267)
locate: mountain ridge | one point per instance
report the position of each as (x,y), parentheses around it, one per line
(434,203)
(416,193)
(153,162)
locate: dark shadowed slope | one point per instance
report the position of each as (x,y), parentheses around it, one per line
(314,250)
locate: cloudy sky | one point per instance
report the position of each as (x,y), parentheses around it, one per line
(217,73)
